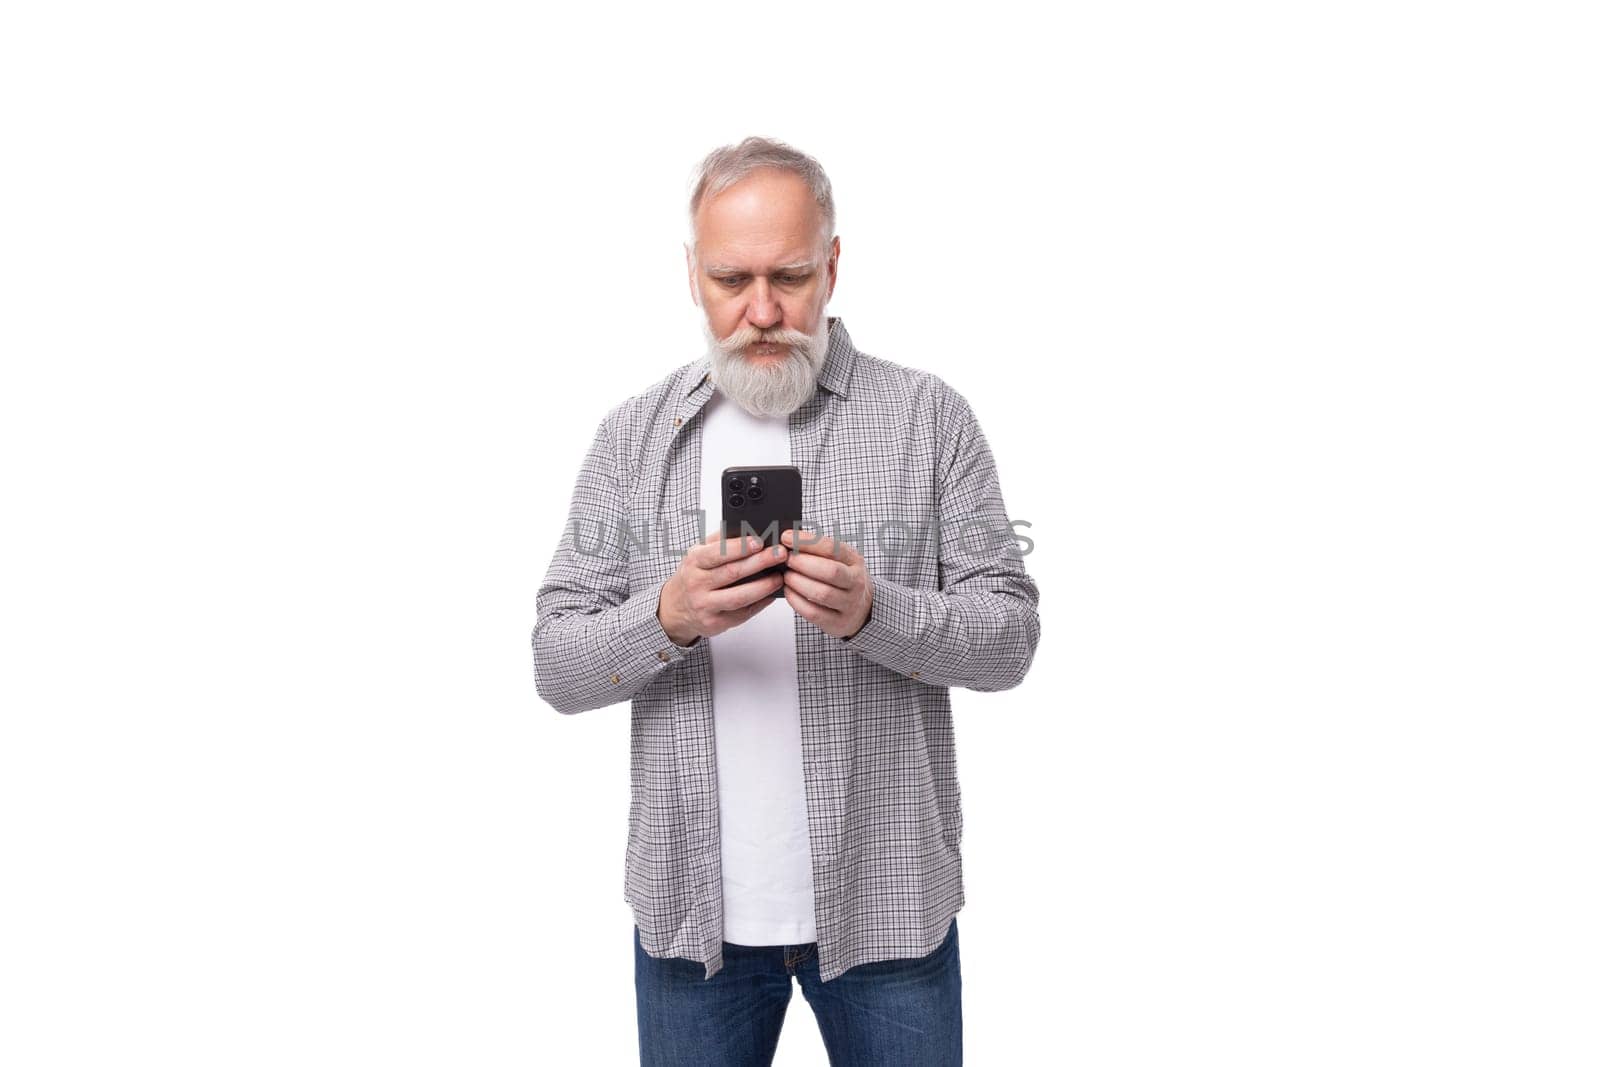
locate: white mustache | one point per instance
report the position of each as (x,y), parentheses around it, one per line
(741,339)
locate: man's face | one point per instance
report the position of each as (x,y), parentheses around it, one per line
(762,267)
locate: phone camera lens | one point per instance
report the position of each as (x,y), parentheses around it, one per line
(755,493)
(736,485)
(736,501)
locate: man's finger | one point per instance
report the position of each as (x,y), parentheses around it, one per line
(815,544)
(734,597)
(718,549)
(727,573)
(829,571)
(745,614)
(810,610)
(820,593)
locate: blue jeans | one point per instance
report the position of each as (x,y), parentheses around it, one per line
(873,1015)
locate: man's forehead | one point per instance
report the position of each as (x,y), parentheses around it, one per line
(770,214)
(716,249)
(763,195)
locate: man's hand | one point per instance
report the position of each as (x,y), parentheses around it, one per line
(697,602)
(827,583)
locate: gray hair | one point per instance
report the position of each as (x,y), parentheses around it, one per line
(729,164)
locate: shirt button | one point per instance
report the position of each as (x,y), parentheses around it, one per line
(916,674)
(615,679)
(662,656)
(677,422)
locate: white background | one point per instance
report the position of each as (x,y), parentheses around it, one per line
(1280,321)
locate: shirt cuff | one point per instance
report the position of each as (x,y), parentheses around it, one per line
(890,635)
(642,648)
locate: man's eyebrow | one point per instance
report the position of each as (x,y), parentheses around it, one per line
(717,269)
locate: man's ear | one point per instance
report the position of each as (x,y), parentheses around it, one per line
(833,265)
(694,282)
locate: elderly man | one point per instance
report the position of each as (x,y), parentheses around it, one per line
(795,810)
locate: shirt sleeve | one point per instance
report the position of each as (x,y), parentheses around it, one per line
(980,629)
(594,643)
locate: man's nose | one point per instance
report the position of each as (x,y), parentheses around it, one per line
(764,312)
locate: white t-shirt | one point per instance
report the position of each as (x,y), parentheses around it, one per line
(767,892)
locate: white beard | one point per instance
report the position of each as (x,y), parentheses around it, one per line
(778,388)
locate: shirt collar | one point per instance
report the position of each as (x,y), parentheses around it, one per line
(836,368)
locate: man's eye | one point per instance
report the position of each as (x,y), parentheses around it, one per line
(732,281)
(790,279)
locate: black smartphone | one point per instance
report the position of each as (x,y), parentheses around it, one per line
(760,502)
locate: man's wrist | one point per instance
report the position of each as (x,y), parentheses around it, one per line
(865,619)
(666,617)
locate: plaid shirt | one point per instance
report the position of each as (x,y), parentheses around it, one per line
(893,462)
